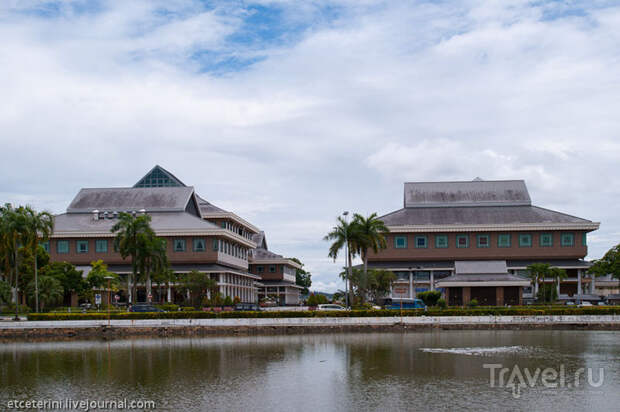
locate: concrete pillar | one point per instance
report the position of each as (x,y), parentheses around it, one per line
(466,295)
(411,285)
(432,280)
(579,290)
(499,296)
(592,284)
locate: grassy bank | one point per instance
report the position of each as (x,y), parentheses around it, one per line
(481,311)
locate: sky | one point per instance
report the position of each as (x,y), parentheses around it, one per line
(290,112)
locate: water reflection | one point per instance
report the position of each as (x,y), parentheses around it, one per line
(421,371)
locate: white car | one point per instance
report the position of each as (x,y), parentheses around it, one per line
(330,306)
(584,304)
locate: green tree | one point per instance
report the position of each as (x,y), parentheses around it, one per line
(430,297)
(303,278)
(14,231)
(40,227)
(152,258)
(48,292)
(609,264)
(558,275)
(369,234)
(538,272)
(5,292)
(343,235)
(199,285)
(70,278)
(132,235)
(380,283)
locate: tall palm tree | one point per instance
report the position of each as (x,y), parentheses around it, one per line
(343,235)
(130,233)
(15,234)
(152,257)
(40,227)
(537,272)
(370,235)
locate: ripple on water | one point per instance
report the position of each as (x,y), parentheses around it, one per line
(479,351)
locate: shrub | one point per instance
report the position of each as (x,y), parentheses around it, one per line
(473,303)
(168,307)
(188,309)
(430,297)
(442,303)
(236,300)
(228,301)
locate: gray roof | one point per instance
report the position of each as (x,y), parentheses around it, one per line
(208,207)
(260,239)
(477,216)
(260,253)
(499,277)
(129,198)
(477,267)
(474,193)
(160,221)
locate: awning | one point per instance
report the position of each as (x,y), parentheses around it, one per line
(482,280)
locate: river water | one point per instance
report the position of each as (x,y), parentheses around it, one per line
(438,370)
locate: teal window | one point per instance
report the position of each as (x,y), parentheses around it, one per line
(215,244)
(421,242)
(81,246)
(462,241)
(46,246)
(441,241)
(400,242)
(483,240)
(503,240)
(199,245)
(272,268)
(101,245)
(179,245)
(260,269)
(568,239)
(525,240)
(546,239)
(62,246)
(584,239)
(224,225)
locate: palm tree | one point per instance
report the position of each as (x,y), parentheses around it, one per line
(130,233)
(370,235)
(49,290)
(14,228)
(40,227)
(557,275)
(538,272)
(343,235)
(152,257)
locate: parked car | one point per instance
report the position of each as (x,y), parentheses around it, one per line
(584,304)
(247,307)
(570,303)
(144,307)
(415,304)
(330,306)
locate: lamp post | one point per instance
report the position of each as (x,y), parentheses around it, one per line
(346,257)
(108,278)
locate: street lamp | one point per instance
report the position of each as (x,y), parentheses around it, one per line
(108,278)
(346,257)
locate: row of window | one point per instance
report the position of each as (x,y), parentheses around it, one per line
(233,227)
(179,245)
(484,240)
(261,269)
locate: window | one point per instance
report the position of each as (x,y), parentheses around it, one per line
(568,239)
(546,239)
(81,246)
(46,245)
(199,245)
(584,239)
(441,241)
(224,225)
(101,245)
(179,245)
(421,242)
(462,241)
(483,240)
(525,240)
(503,240)
(215,244)
(272,268)
(400,242)
(260,269)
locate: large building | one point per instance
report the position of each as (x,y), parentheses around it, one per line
(474,240)
(200,236)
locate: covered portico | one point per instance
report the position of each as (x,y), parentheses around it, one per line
(486,281)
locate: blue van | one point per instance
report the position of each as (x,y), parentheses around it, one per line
(414,304)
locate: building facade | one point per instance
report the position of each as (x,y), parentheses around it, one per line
(200,236)
(474,240)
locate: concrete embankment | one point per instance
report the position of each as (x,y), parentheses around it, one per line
(247,326)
